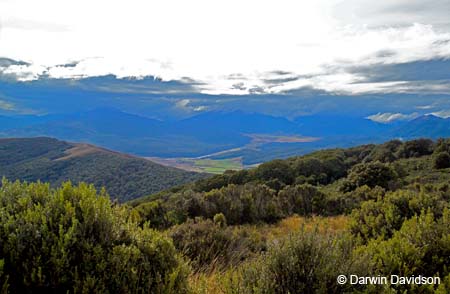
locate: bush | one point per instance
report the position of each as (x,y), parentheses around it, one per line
(220,220)
(71,240)
(210,245)
(385,152)
(304,262)
(275,169)
(382,217)
(370,174)
(420,247)
(302,199)
(441,160)
(344,203)
(416,148)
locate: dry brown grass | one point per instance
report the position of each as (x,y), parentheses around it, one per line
(295,223)
(78,150)
(202,283)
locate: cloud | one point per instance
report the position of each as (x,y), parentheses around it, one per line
(185,105)
(336,46)
(391,117)
(442,113)
(424,107)
(200,108)
(26,24)
(393,13)
(23,72)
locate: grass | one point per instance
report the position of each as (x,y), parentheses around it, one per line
(216,281)
(295,223)
(217,166)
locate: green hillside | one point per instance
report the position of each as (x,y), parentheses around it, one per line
(49,160)
(332,175)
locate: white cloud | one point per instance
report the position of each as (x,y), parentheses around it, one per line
(209,41)
(390,117)
(442,113)
(23,72)
(185,105)
(200,108)
(425,107)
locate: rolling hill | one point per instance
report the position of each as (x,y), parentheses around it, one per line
(49,160)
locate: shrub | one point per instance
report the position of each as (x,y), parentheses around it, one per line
(442,160)
(385,152)
(71,240)
(210,245)
(420,247)
(220,220)
(371,174)
(301,199)
(304,262)
(416,148)
(382,217)
(275,169)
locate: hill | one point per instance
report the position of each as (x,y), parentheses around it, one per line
(49,160)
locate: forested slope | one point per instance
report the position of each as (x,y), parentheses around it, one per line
(49,160)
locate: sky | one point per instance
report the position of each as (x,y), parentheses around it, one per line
(233,50)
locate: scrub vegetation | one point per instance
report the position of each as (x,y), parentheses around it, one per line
(287,226)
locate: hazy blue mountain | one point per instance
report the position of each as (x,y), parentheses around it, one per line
(429,126)
(239,121)
(108,127)
(212,132)
(333,125)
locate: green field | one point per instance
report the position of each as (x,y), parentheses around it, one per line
(216,166)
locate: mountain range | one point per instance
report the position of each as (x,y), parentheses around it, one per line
(218,135)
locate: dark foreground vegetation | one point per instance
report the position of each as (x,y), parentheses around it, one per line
(288,226)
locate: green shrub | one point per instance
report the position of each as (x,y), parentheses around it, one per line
(302,199)
(382,217)
(441,160)
(210,245)
(71,240)
(304,262)
(420,247)
(220,220)
(416,148)
(370,174)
